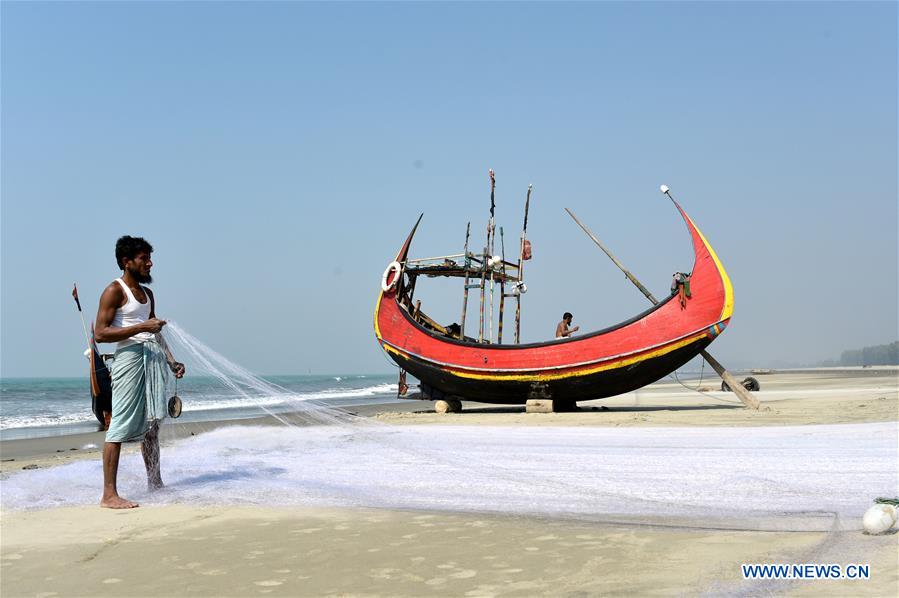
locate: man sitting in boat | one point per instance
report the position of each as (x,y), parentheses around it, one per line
(562,329)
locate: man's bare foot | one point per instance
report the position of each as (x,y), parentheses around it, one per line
(117,502)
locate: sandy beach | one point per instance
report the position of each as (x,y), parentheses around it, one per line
(184,551)
(240,550)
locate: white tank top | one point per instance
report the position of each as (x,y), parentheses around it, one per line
(133,312)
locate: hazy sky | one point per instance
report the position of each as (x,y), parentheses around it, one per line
(277,154)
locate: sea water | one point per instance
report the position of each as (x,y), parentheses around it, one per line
(38,407)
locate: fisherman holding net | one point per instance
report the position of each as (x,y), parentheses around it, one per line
(140,370)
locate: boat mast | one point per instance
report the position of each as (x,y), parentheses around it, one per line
(502,288)
(467,263)
(485,259)
(524,231)
(491,244)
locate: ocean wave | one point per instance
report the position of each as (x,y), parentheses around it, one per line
(339,393)
(201,402)
(45,420)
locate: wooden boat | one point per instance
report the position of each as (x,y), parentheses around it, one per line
(594,365)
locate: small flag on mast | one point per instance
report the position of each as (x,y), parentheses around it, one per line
(75,296)
(492,187)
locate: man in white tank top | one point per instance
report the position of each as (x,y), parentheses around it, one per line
(127,316)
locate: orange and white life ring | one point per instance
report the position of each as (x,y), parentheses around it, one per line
(389,286)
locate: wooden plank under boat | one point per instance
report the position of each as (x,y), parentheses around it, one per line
(594,365)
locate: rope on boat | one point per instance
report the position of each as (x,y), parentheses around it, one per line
(387,357)
(696,390)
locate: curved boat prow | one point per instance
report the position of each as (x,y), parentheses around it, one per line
(701,246)
(404,252)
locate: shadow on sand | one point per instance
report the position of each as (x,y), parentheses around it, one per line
(593,409)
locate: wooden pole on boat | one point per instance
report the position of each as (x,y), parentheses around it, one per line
(621,267)
(492,287)
(524,231)
(486,255)
(465,290)
(744,395)
(502,288)
(492,244)
(483,289)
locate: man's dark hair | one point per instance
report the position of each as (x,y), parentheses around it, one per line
(128,248)
(567,315)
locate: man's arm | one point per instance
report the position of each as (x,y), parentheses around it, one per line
(104,332)
(563,331)
(152,302)
(176,366)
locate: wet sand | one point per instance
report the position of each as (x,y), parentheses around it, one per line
(246,551)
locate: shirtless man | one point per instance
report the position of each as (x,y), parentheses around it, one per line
(562,329)
(127,316)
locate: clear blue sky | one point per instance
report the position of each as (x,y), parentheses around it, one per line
(276,154)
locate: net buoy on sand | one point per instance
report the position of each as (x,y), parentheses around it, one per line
(879,519)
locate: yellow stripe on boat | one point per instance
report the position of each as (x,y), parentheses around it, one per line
(545,376)
(728,309)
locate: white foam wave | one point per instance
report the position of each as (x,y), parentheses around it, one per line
(338,393)
(41,421)
(225,404)
(286,398)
